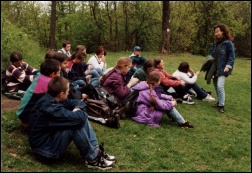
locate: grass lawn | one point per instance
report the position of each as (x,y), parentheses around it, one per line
(218,143)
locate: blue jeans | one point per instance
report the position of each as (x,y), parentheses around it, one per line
(95,79)
(99,71)
(84,139)
(219,83)
(200,93)
(176,116)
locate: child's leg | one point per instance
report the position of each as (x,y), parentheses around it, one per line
(176,116)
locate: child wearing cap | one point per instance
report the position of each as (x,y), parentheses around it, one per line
(137,61)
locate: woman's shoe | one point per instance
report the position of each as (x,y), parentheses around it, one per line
(221,109)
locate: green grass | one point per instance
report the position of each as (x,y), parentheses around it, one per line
(218,143)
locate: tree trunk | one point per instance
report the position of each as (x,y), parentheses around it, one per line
(53,26)
(165,47)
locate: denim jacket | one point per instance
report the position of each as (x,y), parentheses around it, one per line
(49,117)
(225,58)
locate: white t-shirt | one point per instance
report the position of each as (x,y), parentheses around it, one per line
(186,77)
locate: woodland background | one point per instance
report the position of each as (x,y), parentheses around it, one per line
(120,25)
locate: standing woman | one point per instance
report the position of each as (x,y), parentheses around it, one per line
(223,52)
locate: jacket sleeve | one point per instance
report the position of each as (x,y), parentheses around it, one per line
(230,55)
(61,117)
(166,79)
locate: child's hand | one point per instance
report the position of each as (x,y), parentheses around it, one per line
(76,109)
(174,102)
(84,96)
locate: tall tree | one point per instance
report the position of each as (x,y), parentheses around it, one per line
(52,43)
(165,46)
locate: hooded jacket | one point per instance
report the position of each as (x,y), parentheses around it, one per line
(144,113)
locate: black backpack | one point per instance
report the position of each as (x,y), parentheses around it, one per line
(131,98)
(99,93)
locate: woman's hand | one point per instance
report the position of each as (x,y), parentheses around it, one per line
(226,69)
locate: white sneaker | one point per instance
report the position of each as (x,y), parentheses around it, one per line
(209,98)
(187,99)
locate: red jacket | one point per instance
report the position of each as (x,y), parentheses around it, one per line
(167,79)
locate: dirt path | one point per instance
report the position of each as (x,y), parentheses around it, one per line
(9,104)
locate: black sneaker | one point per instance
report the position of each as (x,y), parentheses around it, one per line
(179,100)
(113,121)
(187,99)
(100,163)
(106,155)
(186,125)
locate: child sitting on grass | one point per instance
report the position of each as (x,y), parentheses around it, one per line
(55,121)
(152,104)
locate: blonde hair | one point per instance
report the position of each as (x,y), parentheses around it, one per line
(122,62)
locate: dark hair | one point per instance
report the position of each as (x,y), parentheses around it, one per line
(16,56)
(147,64)
(78,55)
(99,50)
(80,47)
(57,85)
(157,61)
(49,66)
(61,57)
(183,67)
(65,43)
(225,30)
(49,54)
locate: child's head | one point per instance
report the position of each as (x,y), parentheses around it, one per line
(80,48)
(58,87)
(63,59)
(50,68)
(100,51)
(153,78)
(183,67)
(148,66)
(49,54)
(159,63)
(78,57)
(66,45)
(124,64)
(16,58)
(137,50)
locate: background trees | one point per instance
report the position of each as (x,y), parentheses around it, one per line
(120,25)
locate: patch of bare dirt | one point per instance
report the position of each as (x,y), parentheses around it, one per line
(9,104)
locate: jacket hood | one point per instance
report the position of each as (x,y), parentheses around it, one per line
(141,86)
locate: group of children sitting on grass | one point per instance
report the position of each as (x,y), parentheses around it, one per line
(54,120)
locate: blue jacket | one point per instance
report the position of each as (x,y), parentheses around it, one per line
(50,118)
(225,58)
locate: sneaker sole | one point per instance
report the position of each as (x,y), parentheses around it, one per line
(101,168)
(207,100)
(190,103)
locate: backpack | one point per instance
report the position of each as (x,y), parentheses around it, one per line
(97,108)
(99,93)
(131,98)
(74,93)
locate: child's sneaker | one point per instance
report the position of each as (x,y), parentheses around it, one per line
(106,155)
(208,98)
(186,125)
(100,163)
(187,99)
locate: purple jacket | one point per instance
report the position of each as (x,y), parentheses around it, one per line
(116,84)
(144,114)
